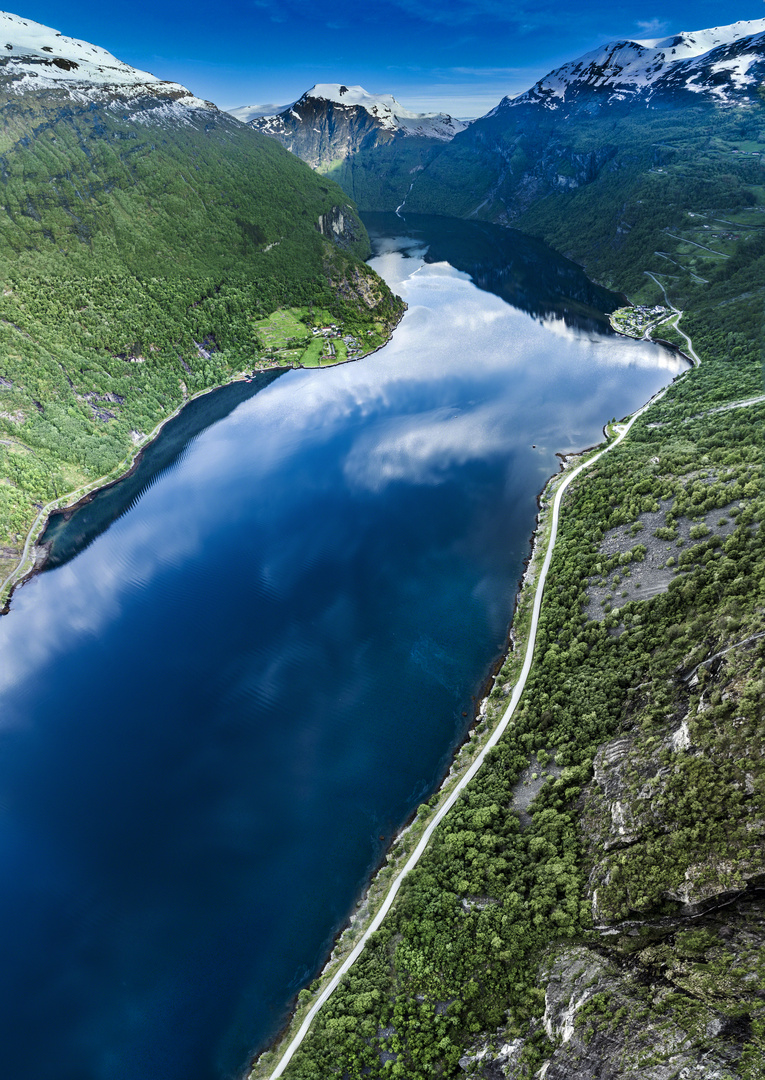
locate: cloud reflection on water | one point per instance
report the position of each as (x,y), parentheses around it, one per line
(396,439)
(260,667)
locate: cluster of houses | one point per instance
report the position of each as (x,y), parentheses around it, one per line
(648,314)
(636,321)
(352,344)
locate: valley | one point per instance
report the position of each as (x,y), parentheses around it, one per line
(643,849)
(247,663)
(369,144)
(147,236)
(155,248)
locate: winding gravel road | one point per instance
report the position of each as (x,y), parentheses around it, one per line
(691,352)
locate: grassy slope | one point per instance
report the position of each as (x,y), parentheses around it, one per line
(135,262)
(440,978)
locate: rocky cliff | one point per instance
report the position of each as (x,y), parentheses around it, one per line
(370,144)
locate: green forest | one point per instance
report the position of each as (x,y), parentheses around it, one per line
(136,260)
(445,969)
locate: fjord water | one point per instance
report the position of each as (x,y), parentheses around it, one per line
(251,662)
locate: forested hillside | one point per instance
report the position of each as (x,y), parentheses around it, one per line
(593,904)
(672,184)
(142,243)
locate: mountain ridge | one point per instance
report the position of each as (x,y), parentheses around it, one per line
(371,145)
(34,56)
(366,143)
(384,111)
(650,68)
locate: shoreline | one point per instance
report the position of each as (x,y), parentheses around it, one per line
(480,699)
(33,557)
(489,722)
(672,320)
(480,728)
(83,495)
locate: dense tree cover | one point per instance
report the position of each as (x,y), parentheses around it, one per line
(133,261)
(671,168)
(616,190)
(135,257)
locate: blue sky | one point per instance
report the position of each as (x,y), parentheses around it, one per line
(460,57)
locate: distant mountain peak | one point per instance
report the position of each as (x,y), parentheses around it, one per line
(246,113)
(383,110)
(694,42)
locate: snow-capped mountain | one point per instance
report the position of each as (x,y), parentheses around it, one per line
(371,144)
(726,63)
(385,112)
(616,110)
(34,57)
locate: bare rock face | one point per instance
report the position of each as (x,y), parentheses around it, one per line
(494,1062)
(370,144)
(322,133)
(670,984)
(674,818)
(603,1032)
(332,122)
(684,1007)
(572,981)
(342,226)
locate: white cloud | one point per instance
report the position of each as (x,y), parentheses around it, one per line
(82,596)
(421,449)
(407,429)
(652,27)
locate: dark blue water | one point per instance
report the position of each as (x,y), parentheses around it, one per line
(216,711)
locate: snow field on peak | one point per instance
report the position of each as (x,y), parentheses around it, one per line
(21,38)
(639,64)
(383,108)
(695,42)
(245,113)
(339,94)
(35,55)
(390,113)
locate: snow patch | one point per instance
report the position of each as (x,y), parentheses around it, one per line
(245,113)
(738,67)
(387,113)
(631,67)
(33,56)
(696,42)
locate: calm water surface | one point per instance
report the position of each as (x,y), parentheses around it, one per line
(252,660)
